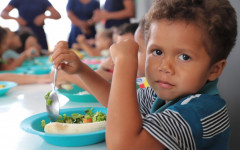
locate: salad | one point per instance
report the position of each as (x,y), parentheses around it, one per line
(47,98)
(79,118)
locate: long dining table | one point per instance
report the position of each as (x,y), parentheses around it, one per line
(24,101)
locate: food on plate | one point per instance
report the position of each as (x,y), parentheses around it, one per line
(2,86)
(66,128)
(47,98)
(67,86)
(82,93)
(76,123)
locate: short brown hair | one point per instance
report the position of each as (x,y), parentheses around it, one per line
(217,19)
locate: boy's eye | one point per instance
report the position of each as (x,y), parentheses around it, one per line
(157,52)
(184,57)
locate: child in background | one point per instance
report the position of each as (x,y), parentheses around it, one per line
(20,79)
(125,31)
(103,40)
(11,64)
(28,39)
(3,45)
(182,68)
(105,69)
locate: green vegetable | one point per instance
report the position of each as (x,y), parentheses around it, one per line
(48,100)
(99,116)
(78,118)
(43,123)
(89,113)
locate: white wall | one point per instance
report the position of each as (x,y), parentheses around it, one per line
(229,85)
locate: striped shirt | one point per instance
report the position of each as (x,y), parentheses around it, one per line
(197,121)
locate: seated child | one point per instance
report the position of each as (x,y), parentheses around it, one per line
(125,31)
(28,40)
(12,45)
(106,68)
(103,41)
(20,79)
(11,64)
(183,70)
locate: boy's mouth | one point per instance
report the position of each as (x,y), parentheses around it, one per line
(164,84)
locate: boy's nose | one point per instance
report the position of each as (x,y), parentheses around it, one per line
(166,66)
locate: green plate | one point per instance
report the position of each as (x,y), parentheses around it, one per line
(77,94)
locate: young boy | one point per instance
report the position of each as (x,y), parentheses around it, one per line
(187,46)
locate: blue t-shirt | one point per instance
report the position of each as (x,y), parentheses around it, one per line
(8,54)
(112,6)
(29,10)
(83,12)
(198,121)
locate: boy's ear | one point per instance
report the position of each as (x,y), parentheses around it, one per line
(216,70)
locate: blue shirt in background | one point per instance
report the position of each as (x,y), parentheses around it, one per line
(112,6)
(83,12)
(29,10)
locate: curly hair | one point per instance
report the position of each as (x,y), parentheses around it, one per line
(217,19)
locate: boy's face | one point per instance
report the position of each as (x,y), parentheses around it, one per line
(177,63)
(139,38)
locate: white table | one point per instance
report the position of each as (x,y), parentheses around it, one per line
(26,100)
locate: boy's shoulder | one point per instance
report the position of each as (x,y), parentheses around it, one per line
(199,120)
(203,112)
(204,103)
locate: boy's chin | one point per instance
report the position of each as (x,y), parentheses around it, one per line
(167,98)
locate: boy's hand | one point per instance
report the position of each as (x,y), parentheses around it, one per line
(65,59)
(126,50)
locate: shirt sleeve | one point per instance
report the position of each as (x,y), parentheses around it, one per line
(69,5)
(146,97)
(97,5)
(170,129)
(46,3)
(14,3)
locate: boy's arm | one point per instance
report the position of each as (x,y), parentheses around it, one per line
(124,118)
(95,84)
